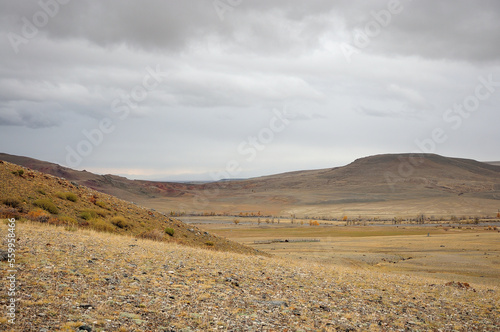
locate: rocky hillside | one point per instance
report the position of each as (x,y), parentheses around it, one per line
(31,195)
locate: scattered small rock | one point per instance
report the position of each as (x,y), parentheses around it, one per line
(112,281)
(4,255)
(129,315)
(324,308)
(274,303)
(234,282)
(85,328)
(85,306)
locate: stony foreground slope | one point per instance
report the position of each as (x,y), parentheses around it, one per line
(107,282)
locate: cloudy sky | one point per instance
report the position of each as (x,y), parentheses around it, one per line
(204,89)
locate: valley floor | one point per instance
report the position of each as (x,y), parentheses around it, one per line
(463,252)
(114,283)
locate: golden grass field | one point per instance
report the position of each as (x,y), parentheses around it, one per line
(466,252)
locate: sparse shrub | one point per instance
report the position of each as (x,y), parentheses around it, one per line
(12,202)
(60,195)
(18,172)
(38,215)
(91,214)
(88,214)
(83,223)
(101,204)
(47,205)
(101,212)
(101,225)
(93,199)
(9,213)
(68,195)
(41,191)
(68,220)
(210,243)
(71,197)
(155,235)
(236,221)
(120,222)
(169,231)
(453,218)
(55,221)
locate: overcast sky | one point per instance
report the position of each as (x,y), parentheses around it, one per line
(203,89)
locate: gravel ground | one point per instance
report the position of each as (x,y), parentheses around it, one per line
(102,282)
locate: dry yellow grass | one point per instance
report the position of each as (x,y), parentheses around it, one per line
(469,253)
(111,283)
(44,198)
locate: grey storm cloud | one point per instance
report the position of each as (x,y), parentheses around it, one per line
(227,65)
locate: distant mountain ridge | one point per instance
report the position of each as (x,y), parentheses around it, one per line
(389,181)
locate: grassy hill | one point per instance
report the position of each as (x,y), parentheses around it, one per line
(114,185)
(31,195)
